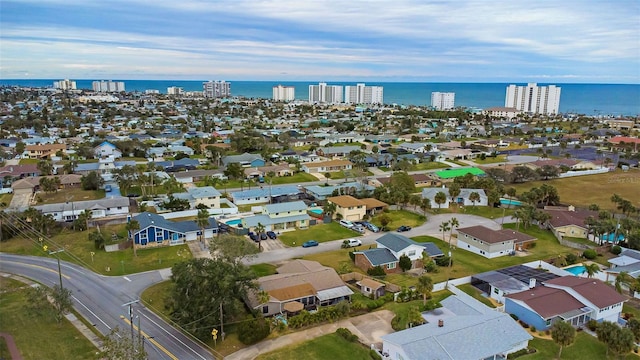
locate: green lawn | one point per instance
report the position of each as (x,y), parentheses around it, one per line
(6,199)
(600,188)
(28,161)
(490,160)
(78,250)
(585,347)
(326,347)
(476,294)
(400,217)
(155,297)
(300,177)
(320,233)
(402,309)
(345,175)
(428,166)
(263,269)
(69,195)
(39,336)
(488,212)
(580,240)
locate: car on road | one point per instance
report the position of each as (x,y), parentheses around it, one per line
(404,228)
(309,243)
(271,235)
(353,242)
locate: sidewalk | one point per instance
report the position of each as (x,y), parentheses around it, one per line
(368,327)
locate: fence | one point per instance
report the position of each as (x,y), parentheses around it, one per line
(584,172)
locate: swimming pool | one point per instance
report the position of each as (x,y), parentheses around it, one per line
(316,211)
(510,202)
(576,270)
(234,222)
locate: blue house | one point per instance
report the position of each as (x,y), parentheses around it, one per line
(245,160)
(158,231)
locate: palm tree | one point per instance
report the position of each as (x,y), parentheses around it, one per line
(591,269)
(424,287)
(259,230)
(202,220)
(563,334)
(444,227)
(329,209)
(454,224)
(133,226)
(263,297)
(425,205)
(474,197)
(440,198)
(624,279)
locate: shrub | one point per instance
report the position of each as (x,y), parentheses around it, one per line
(376,271)
(514,317)
(571,259)
(533,328)
(250,332)
(374,355)
(347,335)
(616,250)
(431,267)
(352,255)
(592,325)
(531,244)
(405,263)
(430,305)
(443,261)
(590,254)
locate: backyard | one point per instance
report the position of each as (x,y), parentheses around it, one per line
(490,160)
(398,218)
(69,196)
(320,233)
(32,331)
(585,347)
(428,166)
(600,188)
(326,347)
(300,177)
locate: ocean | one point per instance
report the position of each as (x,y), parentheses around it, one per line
(587,99)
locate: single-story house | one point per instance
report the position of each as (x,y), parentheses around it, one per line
(10,173)
(491,243)
(463,328)
(569,222)
(461,199)
(245,160)
(348,207)
(352,188)
(206,195)
(158,231)
(69,211)
(337,151)
(370,287)
(32,184)
(107,149)
(390,247)
(278,170)
(573,299)
(327,166)
(280,217)
(514,279)
(628,261)
(298,285)
(265,194)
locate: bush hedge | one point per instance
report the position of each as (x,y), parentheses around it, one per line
(250,332)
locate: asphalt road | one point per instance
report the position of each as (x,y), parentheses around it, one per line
(99,299)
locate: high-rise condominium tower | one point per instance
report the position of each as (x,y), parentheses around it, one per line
(443,100)
(323,93)
(65,84)
(216,89)
(533,98)
(284,93)
(108,86)
(361,94)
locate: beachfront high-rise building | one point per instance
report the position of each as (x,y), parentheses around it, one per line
(65,84)
(216,89)
(533,98)
(323,93)
(174,90)
(108,86)
(362,94)
(284,93)
(443,100)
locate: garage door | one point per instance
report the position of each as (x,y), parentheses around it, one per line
(353,217)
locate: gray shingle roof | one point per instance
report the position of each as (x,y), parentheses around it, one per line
(110,202)
(397,243)
(379,256)
(284,207)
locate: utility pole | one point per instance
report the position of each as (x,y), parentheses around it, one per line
(130,304)
(221,323)
(59,268)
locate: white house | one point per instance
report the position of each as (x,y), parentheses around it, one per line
(461,199)
(69,211)
(491,243)
(280,217)
(107,149)
(206,195)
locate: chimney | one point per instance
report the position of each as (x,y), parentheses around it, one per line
(532,283)
(440,323)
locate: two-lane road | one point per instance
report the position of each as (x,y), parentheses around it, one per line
(100,300)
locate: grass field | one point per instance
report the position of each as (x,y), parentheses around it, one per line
(400,217)
(69,195)
(320,233)
(476,294)
(78,250)
(39,336)
(585,347)
(155,295)
(428,166)
(490,160)
(326,347)
(28,161)
(6,199)
(300,177)
(591,189)
(263,269)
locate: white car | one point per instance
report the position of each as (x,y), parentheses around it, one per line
(354,242)
(346,223)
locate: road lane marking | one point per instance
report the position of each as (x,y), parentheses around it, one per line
(150,339)
(92,313)
(40,267)
(126,278)
(170,334)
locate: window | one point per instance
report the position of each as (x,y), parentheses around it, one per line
(143,235)
(265,309)
(119,207)
(159,233)
(496,291)
(391,266)
(411,253)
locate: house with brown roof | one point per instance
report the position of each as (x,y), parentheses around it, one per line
(11,173)
(573,299)
(327,166)
(298,285)
(491,243)
(371,288)
(44,151)
(374,206)
(348,207)
(569,222)
(32,184)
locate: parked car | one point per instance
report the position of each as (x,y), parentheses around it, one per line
(354,242)
(309,243)
(358,228)
(404,228)
(253,236)
(263,236)
(107,188)
(346,223)
(271,235)
(371,227)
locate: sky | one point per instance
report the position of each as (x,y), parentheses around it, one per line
(564,41)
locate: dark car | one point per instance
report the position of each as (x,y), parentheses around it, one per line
(253,236)
(271,235)
(404,228)
(263,236)
(309,243)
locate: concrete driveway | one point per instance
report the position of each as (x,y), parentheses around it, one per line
(368,327)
